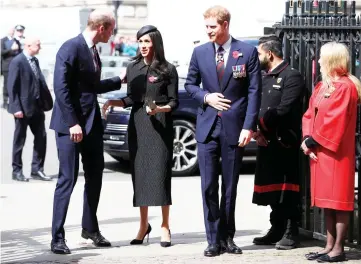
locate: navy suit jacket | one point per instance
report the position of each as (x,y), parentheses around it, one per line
(244,92)
(24,93)
(76,85)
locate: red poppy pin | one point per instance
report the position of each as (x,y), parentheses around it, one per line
(152,79)
(236,54)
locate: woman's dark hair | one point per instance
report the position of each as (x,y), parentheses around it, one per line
(159,64)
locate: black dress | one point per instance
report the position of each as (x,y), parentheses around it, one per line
(150,138)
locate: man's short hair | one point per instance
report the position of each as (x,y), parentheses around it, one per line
(100,18)
(272,43)
(219,12)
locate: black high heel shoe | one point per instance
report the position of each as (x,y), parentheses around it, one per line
(138,241)
(166,243)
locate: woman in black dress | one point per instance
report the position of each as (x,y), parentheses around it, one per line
(153,94)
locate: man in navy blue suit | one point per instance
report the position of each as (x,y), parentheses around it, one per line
(229,102)
(26,86)
(78,127)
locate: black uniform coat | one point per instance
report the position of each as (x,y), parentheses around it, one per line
(277,170)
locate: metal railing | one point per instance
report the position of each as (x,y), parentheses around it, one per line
(305,27)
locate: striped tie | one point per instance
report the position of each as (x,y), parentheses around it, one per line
(220,63)
(96,58)
(34,67)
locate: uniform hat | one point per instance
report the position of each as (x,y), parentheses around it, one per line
(19,27)
(145,30)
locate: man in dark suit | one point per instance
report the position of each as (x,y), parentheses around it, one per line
(228,108)
(10,47)
(25,85)
(78,126)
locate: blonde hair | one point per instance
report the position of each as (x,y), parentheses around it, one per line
(219,12)
(335,60)
(100,17)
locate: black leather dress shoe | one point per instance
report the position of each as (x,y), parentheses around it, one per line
(232,248)
(98,239)
(212,250)
(19,176)
(40,175)
(314,255)
(327,258)
(59,247)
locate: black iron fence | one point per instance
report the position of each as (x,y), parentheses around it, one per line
(305,27)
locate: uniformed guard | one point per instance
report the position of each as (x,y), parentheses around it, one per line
(278,138)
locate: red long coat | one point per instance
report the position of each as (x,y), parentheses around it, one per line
(333,126)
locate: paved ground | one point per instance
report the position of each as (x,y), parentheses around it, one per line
(26,211)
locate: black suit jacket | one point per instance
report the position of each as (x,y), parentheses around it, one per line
(27,93)
(76,85)
(7,54)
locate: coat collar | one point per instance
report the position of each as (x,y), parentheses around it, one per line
(283,65)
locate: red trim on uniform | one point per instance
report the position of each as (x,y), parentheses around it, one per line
(263,124)
(277,187)
(284,67)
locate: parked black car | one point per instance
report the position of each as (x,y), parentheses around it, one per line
(185,161)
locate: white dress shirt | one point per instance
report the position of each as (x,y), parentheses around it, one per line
(227,47)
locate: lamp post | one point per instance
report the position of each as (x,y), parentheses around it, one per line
(116,4)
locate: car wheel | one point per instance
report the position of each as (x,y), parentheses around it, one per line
(185,160)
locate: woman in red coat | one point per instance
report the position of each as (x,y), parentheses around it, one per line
(329,127)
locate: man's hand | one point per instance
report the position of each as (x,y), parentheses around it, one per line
(244,138)
(15,46)
(19,114)
(76,134)
(217,101)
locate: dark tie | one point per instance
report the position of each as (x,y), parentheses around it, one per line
(34,67)
(36,72)
(96,58)
(220,63)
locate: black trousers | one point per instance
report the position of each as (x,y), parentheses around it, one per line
(5,89)
(37,127)
(282,212)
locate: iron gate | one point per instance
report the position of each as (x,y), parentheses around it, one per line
(305,27)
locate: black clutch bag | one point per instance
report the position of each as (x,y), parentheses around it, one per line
(148,101)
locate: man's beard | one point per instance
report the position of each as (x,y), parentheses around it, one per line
(264,64)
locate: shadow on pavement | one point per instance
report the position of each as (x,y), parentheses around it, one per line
(189,238)
(353,254)
(33,245)
(118,166)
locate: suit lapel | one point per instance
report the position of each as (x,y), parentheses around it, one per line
(211,61)
(87,51)
(232,60)
(27,65)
